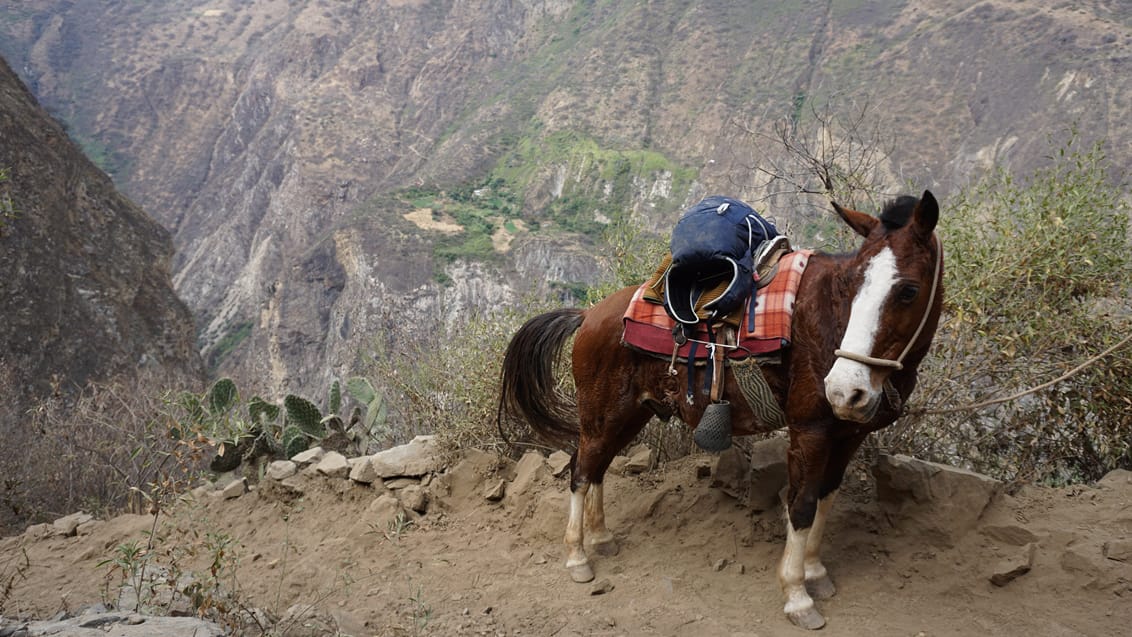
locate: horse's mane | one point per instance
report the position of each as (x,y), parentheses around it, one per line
(898,211)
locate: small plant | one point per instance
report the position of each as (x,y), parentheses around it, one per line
(397,526)
(421,611)
(129,563)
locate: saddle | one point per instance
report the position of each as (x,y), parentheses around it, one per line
(722,251)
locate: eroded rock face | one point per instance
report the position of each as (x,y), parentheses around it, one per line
(84,273)
(935,501)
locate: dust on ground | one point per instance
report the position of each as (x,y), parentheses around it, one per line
(693,560)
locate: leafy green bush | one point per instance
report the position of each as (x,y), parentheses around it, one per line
(1037,271)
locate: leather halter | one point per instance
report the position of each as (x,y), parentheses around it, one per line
(898,363)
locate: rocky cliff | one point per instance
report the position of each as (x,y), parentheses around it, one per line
(84,274)
(291,146)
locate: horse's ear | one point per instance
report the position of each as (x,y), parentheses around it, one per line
(926,214)
(860,222)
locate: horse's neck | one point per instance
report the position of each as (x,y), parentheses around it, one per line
(822,305)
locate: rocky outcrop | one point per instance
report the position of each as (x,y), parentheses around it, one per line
(84,273)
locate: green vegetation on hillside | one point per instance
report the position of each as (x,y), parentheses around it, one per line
(591,187)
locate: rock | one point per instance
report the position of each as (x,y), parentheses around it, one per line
(38,531)
(363,472)
(415,498)
(617,465)
(68,525)
(381,513)
(732,472)
(934,501)
(400,483)
(1012,534)
(1014,567)
(719,564)
(601,587)
(235,489)
(281,469)
(1079,559)
(528,470)
(415,459)
(310,456)
(641,459)
(123,625)
(559,463)
(88,527)
(703,467)
(495,492)
(768,473)
(333,465)
(1116,478)
(1119,550)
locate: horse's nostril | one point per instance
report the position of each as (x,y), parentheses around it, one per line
(857,397)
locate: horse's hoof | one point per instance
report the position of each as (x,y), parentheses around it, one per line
(810,618)
(606,548)
(581,573)
(821,588)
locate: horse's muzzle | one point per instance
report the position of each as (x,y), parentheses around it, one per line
(850,391)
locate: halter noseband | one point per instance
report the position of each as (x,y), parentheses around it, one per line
(898,364)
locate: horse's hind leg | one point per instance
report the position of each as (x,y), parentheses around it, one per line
(599,536)
(606,434)
(818,583)
(576,561)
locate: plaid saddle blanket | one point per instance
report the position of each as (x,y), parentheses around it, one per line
(648,327)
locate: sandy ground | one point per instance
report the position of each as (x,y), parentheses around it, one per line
(693,560)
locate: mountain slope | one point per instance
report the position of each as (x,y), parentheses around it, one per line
(84,273)
(276,139)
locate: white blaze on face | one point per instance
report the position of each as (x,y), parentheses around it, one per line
(848,386)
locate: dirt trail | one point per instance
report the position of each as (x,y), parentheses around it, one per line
(693,560)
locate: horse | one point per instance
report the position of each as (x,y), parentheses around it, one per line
(862,323)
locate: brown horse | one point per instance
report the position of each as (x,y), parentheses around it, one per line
(862,324)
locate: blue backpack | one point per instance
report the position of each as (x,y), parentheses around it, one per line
(712,248)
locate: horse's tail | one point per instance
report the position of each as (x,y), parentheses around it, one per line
(528,386)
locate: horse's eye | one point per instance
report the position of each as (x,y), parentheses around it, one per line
(907,293)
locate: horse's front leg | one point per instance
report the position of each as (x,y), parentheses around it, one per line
(817,466)
(806,464)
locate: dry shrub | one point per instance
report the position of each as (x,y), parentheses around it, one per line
(111,447)
(450,386)
(1031,270)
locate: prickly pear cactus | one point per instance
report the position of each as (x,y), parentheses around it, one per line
(222,396)
(303,414)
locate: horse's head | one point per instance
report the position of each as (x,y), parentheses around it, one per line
(895,281)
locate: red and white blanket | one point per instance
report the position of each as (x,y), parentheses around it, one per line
(649,328)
